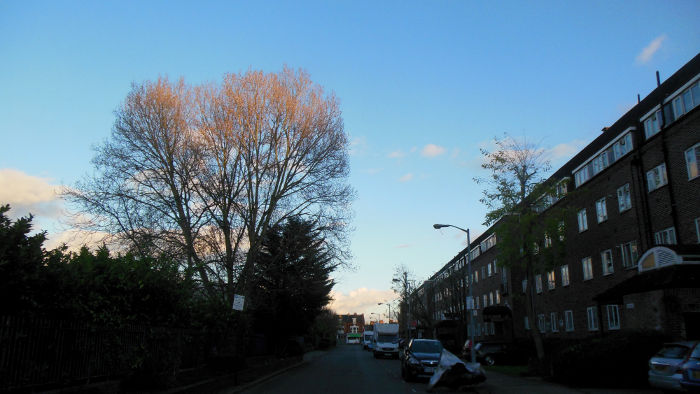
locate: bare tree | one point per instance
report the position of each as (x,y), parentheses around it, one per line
(201,173)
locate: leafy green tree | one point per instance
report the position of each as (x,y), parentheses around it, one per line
(517,194)
(21,257)
(292,281)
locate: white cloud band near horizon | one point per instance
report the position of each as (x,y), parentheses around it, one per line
(361,301)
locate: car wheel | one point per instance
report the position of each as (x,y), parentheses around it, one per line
(488,360)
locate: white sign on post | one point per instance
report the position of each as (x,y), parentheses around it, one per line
(238,301)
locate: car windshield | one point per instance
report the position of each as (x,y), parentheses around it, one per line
(387,338)
(696,353)
(426,347)
(673,351)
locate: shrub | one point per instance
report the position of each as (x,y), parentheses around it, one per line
(616,360)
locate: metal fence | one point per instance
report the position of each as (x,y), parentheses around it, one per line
(38,352)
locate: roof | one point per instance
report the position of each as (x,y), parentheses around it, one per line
(672,277)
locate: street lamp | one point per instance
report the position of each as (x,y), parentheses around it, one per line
(470,301)
(389,305)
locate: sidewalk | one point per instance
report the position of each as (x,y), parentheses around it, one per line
(498,383)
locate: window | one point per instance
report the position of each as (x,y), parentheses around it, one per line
(692,159)
(686,100)
(488,243)
(541,322)
(524,285)
(656,177)
(495,267)
(565,275)
(603,159)
(652,124)
(483,272)
(601,210)
(624,200)
(538,283)
(629,254)
(569,320)
(490,269)
(527,323)
(498,297)
(491,298)
(562,230)
(587,268)
(486,300)
(477,302)
(582,220)
(592,318)
(553,321)
(551,280)
(613,317)
(665,237)
(476,276)
(607,260)
(547,241)
(697,228)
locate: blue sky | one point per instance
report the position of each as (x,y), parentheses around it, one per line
(422,86)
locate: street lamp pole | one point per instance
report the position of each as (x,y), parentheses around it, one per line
(470,301)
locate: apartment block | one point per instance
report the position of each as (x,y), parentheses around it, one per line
(632,254)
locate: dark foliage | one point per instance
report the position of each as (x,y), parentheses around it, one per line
(616,360)
(292,282)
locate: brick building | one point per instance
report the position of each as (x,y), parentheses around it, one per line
(632,258)
(351,327)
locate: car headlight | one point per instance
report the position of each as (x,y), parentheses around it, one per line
(413,360)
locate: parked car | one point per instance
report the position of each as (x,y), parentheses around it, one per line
(691,371)
(420,358)
(486,353)
(665,367)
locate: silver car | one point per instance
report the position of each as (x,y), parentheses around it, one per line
(665,367)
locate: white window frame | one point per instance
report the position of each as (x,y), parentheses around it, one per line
(551,280)
(565,279)
(541,323)
(587,267)
(592,315)
(613,317)
(582,220)
(606,258)
(624,198)
(569,320)
(489,269)
(498,297)
(666,236)
(601,210)
(491,298)
(630,253)
(538,283)
(554,321)
(657,177)
(692,161)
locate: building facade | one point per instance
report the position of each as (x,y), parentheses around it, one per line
(632,238)
(351,327)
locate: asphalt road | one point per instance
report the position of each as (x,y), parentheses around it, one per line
(349,369)
(344,369)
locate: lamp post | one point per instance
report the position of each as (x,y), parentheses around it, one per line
(388,305)
(379,317)
(470,301)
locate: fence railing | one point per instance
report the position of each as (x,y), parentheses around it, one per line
(38,352)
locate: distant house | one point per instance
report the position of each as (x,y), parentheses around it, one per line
(351,327)
(632,258)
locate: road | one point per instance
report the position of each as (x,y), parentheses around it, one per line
(349,369)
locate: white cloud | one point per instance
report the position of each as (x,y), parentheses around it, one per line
(406,177)
(29,194)
(565,151)
(403,246)
(397,154)
(358,146)
(361,300)
(75,239)
(432,150)
(651,49)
